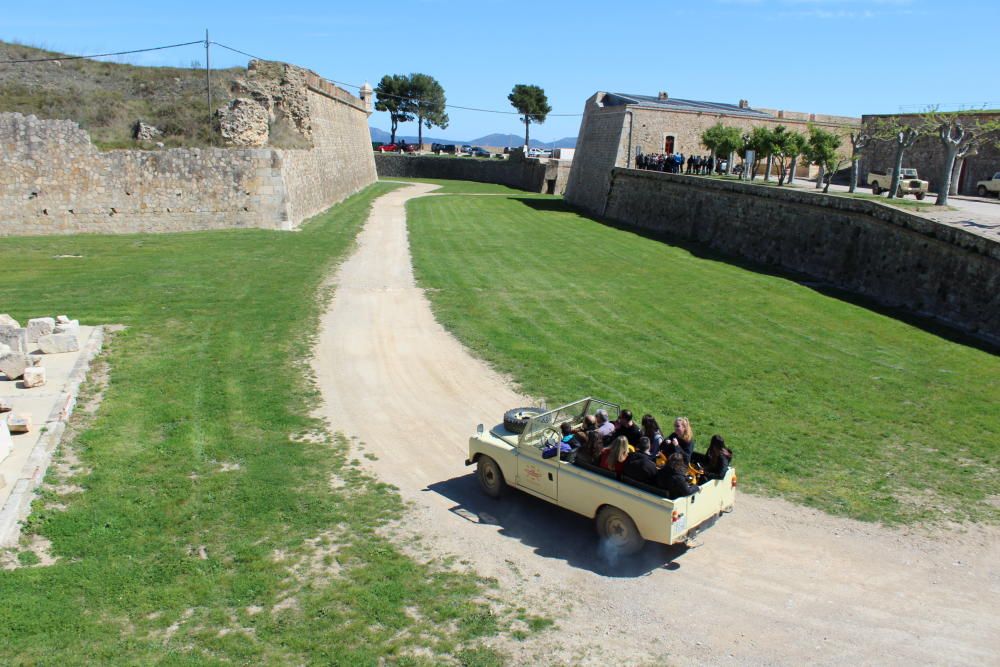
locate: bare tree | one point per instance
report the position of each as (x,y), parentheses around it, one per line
(859,141)
(905,137)
(960,139)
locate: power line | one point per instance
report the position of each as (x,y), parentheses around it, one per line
(404,97)
(98,55)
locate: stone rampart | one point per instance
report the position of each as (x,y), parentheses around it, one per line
(533,175)
(895,258)
(54,181)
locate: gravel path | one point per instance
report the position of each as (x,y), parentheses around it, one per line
(771,583)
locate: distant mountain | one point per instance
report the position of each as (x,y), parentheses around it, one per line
(495,139)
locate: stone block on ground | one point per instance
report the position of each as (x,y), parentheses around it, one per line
(56,343)
(9,321)
(62,319)
(12,364)
(6,442)
(69,327)
(19,422)
(40,326)
(6,405)
(13,337)
(34,376)
(4,348)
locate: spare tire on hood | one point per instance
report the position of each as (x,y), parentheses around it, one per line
(516,419)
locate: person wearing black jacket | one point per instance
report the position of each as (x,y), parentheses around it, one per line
(673,478)
(716,460)
(627,428)
(682,439)
(639,465)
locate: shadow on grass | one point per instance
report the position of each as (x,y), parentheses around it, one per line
(551,531)
(924,322)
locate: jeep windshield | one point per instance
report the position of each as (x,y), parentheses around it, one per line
(539,427)
(908,173)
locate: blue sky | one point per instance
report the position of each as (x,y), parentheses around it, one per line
(825,56)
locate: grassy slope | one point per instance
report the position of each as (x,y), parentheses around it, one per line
(106,98)
(824,402)
(208,372)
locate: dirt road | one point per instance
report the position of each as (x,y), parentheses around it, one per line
(772,583)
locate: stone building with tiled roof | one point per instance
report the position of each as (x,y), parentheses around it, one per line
(617,126)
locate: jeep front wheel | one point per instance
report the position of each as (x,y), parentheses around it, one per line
(875,189)
(490,477)
(921,195)
(981,190)
(618,531)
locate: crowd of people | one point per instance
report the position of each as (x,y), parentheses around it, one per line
(674,163)
(641,452)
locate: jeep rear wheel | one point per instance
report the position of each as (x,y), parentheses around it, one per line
(921,195)
(875,189)
(490,477)
(981,190)
(618,531)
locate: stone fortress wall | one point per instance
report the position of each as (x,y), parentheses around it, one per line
(890,256)
(54,181)
(531,174)
(893,257)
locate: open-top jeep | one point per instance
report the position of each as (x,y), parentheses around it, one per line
(909,183)
(626,512)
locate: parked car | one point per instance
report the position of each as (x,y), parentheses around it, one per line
(478,151)
(467,149)
(909,183)
(388,148)
(984,188)
(377,145)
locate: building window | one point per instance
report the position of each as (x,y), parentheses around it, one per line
(668,144)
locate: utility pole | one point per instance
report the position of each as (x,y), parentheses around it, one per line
(208,80)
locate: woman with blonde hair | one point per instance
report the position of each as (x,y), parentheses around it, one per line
(613,457)
(682,439)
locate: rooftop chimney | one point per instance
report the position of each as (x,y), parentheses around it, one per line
(663,95)
(744,104)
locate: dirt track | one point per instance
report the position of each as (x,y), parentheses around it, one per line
(771,583)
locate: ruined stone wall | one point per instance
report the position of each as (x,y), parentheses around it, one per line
(54,181)
(927,156)
(529,174)
(339,164)
(893,257)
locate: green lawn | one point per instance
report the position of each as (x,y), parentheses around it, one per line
(208,504)
(464,187)
(824,402)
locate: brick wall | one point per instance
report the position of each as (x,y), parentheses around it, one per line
(54,181)
(893,257)
(530,174)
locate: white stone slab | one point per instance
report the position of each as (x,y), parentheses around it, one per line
(12,364)
(58,343)
(34,377)
(40,326)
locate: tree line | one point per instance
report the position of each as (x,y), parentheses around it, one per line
(960,135)
(420,97)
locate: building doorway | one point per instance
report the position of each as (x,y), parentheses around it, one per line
(668,144)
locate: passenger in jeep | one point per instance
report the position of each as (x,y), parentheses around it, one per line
(604,426)
(651,429)
(613,457)
(716,460)
(673,477)
(682,439)
(627,428)
(639,465)
(591,451)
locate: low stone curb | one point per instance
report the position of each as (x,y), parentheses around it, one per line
(18,505)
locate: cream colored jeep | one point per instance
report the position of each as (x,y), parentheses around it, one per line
(909,183)
(626,513)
